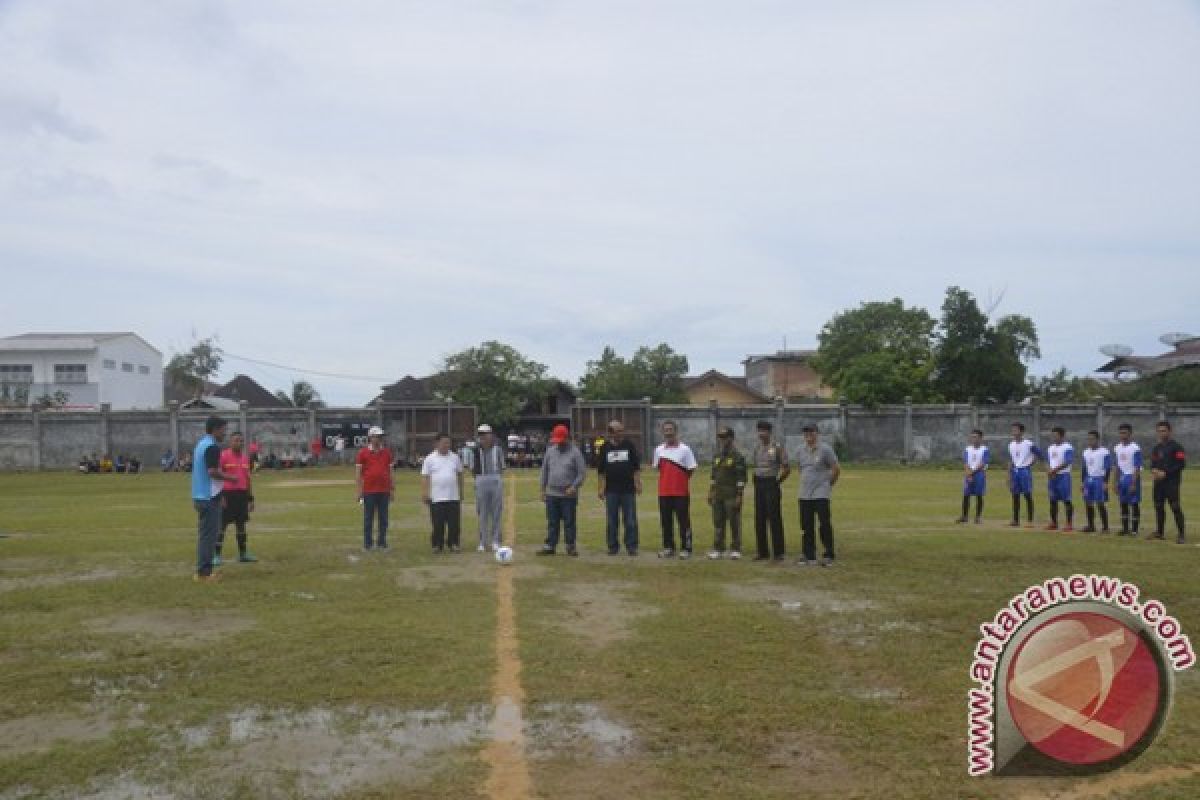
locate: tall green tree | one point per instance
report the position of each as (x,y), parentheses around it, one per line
(975,358)
(191,369)
(880,352)
(495,378)
(302,395)
(656,372)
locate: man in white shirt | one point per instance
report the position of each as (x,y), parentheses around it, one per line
(1060,455)
(1128,455)
(1097,467)
(976,458)
(441,490)
(1022,454)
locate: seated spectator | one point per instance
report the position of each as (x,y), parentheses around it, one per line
(119,463)
(133,466)
(106,463)
(185,462)
(167,462)
(85,466)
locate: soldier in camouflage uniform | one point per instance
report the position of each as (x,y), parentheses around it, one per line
(725,495)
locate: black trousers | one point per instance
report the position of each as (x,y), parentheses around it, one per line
(1166,493)
(447,518)
(768,514)
(671,509)
(812,512)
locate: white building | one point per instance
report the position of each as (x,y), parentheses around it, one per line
(120,369)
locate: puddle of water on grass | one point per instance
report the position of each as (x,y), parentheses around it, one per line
(578,728)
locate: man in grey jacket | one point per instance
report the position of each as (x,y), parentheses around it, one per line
(819,471)
(563,472)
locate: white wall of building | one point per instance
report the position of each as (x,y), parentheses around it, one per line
(135,379)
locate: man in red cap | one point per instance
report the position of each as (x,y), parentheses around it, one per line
(563,472)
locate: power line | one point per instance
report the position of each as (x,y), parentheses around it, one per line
(337,375)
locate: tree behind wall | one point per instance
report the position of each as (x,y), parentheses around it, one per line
(975,358)
(495,378)
(192,369)
(655,372)
(302,395)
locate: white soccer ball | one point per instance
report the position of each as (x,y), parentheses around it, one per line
(504,555)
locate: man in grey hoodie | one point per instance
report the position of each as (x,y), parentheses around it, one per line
(563,472)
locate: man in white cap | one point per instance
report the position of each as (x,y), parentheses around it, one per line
(376,488)
(485,460)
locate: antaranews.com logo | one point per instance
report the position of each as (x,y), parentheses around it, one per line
(1074,676)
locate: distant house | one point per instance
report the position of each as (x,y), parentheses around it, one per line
(1185,353)
(726,390)
(119,368)
(406,390)
(243,387)
(786,373)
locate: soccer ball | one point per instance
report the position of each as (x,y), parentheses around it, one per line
(504,555)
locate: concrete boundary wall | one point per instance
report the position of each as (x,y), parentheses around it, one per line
(33,440)
(904,433)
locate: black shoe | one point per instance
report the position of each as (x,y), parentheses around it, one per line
(633,553)
(762,558)
(1104,530)
(1156,535)
(546,550)
(1087,529)
(1180,539)
(437,551)
(571,551)
(614,552)
(961,520)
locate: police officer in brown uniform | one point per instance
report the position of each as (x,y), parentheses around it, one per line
(771,469)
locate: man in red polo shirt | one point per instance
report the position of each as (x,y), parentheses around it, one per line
(675,463)
(373,473)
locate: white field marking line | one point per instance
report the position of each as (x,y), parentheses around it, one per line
(508,778)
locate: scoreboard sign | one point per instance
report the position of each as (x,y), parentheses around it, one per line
(355,434)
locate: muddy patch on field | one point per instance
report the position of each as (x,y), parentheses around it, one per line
(40,732)
(601,612)
(180,626)
(466,568)
(793,599)
(581,729)
(807,761)
(45,581)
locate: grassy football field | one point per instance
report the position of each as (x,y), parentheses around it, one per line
(326,672)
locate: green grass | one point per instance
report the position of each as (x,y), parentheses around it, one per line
(643,678)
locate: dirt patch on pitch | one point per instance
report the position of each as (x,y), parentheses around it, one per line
(464,568)
(45,581)
(601,612)
(796,600)
(40,732)
(801,761)
(180,626)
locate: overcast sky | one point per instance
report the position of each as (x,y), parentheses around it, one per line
(362,187)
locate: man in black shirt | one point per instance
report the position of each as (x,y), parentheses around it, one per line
(1167,461)
(620,473)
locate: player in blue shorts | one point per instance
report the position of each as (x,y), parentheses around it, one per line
(1022,454)
(1128,489)
(976,458)
(1097,469)
(1060,455)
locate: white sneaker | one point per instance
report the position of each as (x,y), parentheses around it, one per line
(480,549)
(713,555)
(733,555)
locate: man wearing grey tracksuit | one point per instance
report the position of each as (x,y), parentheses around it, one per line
(485,460)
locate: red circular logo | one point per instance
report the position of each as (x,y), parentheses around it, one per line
(1084,688)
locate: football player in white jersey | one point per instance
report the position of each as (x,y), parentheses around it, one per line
(1022,453)
(1097,469)
(1128,488)
(1060,455)
(976,458)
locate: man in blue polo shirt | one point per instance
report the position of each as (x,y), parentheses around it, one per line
(207,483)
